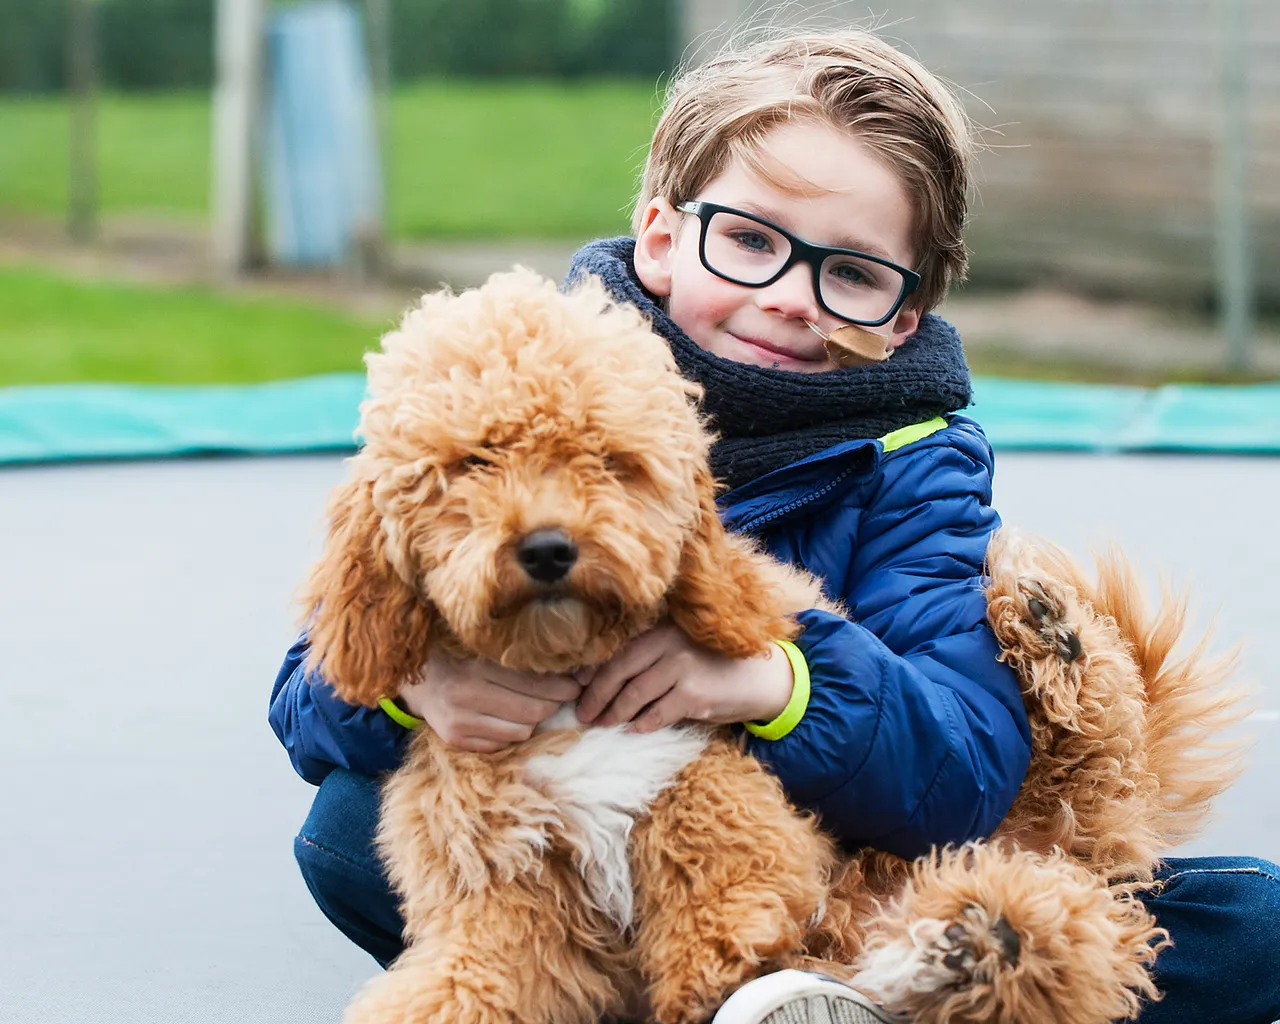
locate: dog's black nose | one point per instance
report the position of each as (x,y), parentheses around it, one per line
(547,555)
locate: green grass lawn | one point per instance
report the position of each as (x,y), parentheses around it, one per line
(60,329)
(467,159)
(55,329)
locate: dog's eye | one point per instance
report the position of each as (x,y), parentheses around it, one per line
(473,461)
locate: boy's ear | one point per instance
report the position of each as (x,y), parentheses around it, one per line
(904,325)
(728,596)
(367,628)
(654,244)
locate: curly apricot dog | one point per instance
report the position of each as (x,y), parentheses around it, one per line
(533,489)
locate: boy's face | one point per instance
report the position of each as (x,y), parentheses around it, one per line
(851,200)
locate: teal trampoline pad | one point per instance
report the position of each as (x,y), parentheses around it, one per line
(96,421)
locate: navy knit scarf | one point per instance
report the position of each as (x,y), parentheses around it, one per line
(768,418)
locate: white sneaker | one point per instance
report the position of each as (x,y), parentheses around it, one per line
(800,997)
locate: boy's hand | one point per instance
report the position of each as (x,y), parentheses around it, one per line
(662,677)
(482,707)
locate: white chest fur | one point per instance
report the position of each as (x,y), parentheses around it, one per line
(601,785)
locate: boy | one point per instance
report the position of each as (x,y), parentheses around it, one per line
(792,189)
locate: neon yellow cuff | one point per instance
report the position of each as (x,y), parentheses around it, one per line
(796,706)
(398,714)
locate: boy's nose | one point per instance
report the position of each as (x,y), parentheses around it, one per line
(791,295)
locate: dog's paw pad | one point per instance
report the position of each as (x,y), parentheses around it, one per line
(1010,941)
(960,959)
(955,950)
(1048,616)
(972,949)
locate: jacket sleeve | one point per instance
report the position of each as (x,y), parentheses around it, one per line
(915,735)
(322,732)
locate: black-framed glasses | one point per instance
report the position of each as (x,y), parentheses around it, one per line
(749,250)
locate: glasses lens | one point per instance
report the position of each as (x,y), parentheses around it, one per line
(744,250)
(856,289)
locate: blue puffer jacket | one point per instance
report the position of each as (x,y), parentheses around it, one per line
(915,734)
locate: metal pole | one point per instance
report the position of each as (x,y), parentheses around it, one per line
(380,68)
(82,77)
(1234,242)
(235,106)
(379,12)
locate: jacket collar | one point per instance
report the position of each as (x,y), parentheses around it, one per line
(793,487)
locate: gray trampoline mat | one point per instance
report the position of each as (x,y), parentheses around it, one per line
(146,872)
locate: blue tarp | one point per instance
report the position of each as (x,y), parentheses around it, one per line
(91,421)
(323,182)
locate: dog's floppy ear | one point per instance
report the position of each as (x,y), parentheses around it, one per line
(367,628)
(728,596)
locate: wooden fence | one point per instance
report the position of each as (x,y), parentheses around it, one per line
(1104,120)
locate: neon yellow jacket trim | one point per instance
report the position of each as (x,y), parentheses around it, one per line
(911,433)
(796,706)
(398,714)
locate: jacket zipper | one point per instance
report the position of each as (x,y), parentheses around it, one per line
(791,506)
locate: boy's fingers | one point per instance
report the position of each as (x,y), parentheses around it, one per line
(493,701)
(611,677)
(500,730)
(598,693)
(554,688)
(639,692)
(666,710)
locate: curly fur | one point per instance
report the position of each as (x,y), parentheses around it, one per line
(714,909)
(491,415)
(989,934)
(515,408)
(1125,765)
(500,410)
(1042,923)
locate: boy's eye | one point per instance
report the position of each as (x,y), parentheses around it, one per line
(850,273)
(757,241)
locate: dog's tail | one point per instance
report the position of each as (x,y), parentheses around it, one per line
(1127,736)
(1192,700)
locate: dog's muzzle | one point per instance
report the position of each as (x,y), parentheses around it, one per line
(546,556)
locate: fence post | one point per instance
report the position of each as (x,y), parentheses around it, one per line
(1234,243)
(82,76)
(237,87)
(372,254)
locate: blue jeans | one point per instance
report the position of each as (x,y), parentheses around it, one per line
(1222,912)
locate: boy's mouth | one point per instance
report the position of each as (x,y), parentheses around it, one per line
(771,352)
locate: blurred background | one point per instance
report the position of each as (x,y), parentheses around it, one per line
(273,182)
(237,192)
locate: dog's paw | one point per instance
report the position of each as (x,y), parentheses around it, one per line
(1047,615)
(1038,605)
(936,959)
(972,948)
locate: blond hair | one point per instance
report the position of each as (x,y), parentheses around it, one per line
(851,80)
